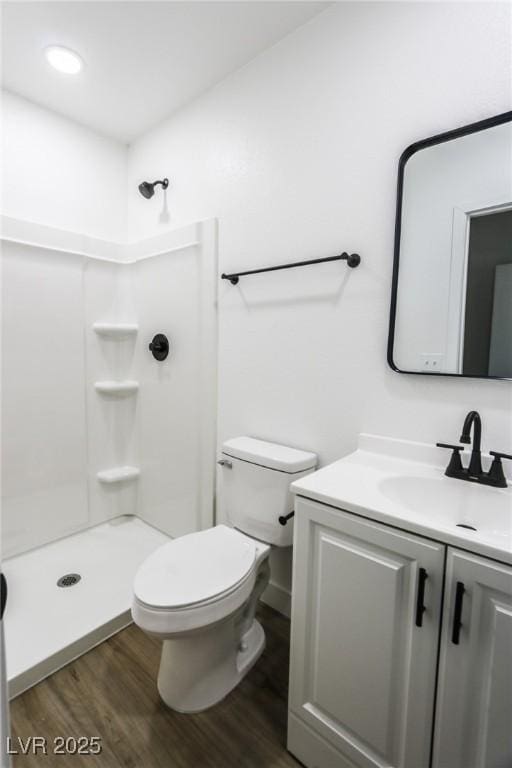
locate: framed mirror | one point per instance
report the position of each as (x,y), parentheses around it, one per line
(451,302)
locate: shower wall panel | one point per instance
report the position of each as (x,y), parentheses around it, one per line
(44,445)
(175,294)
(112,418)
(93,426)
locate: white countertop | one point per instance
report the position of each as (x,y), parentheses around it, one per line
(377,481)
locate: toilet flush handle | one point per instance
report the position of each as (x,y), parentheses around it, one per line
(225,463)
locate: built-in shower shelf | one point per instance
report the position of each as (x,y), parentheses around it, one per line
(118,474)
(117,388)
(116,330)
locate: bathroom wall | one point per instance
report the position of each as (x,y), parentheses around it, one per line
(60,174)
(72,183)
(296,154)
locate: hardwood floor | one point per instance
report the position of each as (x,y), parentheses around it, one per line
(111,692)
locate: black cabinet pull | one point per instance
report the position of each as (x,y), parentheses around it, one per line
(3,594)
(420,605)
(457,612)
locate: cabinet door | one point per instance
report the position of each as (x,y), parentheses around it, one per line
(363,673)
(474,710)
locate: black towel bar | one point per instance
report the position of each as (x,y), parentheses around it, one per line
(352,259)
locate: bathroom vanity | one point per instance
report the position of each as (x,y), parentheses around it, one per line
(401,648)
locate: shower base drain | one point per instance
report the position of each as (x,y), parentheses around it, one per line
(69,580)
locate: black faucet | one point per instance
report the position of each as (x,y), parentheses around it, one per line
(474,473)
(475,463)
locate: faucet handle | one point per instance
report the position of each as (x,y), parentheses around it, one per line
(454,468)
(498,455)
(496,474)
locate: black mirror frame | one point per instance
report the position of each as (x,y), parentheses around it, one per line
(481,125)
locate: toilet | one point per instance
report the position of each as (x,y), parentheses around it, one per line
(199,593)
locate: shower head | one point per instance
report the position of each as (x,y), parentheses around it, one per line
(147,188)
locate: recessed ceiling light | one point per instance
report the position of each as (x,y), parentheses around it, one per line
(64,59)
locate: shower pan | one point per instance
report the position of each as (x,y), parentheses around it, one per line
(108,448)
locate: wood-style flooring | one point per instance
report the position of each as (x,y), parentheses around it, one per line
(111,692)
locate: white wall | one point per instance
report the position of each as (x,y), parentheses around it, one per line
(58,173)
(296,154)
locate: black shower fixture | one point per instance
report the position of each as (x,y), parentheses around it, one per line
(147,188)
(159,346)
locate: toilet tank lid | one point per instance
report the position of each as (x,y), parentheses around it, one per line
(270,455)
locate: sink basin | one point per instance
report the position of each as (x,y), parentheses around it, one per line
(479,510)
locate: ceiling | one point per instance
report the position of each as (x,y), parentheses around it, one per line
(143,60)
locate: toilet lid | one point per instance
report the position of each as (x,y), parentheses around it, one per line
(195,568)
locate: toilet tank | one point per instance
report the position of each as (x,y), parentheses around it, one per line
(256,478)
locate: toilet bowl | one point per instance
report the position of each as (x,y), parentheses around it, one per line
(199,593)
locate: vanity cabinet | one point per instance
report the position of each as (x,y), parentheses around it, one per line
(366,659)
(474,710)
(363,650)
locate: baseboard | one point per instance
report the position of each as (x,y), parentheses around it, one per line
(278,598)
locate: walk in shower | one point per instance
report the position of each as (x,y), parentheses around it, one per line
(107,451)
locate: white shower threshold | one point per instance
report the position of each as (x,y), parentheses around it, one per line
(47,626)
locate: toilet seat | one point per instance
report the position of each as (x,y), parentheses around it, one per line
(195,569)
(196,580)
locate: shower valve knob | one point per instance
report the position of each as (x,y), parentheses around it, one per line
(159,346)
